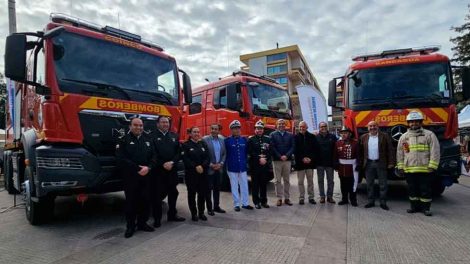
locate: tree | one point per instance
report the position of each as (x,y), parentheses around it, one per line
(461,51)
(3,100)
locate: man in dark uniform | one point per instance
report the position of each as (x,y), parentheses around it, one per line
(164,177)
(134,154)
(259,160)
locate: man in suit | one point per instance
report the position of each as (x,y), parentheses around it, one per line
(376,156)
(216,146)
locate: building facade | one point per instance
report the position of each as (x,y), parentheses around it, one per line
(286,65)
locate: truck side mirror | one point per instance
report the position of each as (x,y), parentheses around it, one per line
(332,93)
(465,75)
(187,89)
(15,57)
(232,102)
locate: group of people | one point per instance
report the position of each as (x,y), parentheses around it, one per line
(147,163)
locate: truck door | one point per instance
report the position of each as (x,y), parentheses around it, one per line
(196,117)
(228,106)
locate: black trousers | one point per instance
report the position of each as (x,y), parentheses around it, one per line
(197,184)
(420,189)
(164,184)
(137,206)
(347,186)
(214,181)
(258,186)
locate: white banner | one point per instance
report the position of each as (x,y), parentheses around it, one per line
(313,106)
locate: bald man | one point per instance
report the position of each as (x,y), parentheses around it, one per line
(376,156)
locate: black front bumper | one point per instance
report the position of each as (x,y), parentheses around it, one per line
(66,170)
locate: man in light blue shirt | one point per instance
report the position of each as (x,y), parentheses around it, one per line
(216,148)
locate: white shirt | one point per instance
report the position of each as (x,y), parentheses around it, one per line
(373,147)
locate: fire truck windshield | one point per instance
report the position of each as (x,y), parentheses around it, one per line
(96,67)
(406,85)
(269,101)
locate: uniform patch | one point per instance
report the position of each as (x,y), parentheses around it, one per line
(159,138)
(203,149)
(174,139)
(117,146)
(191,149)
(148,144)
(132,143)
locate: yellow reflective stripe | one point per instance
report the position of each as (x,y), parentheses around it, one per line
(414,198)
(433,165)
(424,200)
(400,165)
(416,169)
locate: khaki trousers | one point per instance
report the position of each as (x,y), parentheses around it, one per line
(301,178)
(281,172)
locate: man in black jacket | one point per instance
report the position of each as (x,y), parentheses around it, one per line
(306,149)
(326,142)
(259,160)
(165,178)
(134,154)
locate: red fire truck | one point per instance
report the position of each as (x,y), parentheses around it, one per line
(386,86)
(243,96)
(75,87)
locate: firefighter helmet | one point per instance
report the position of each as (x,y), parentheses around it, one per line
(235,124)
(259,124)
(414,115)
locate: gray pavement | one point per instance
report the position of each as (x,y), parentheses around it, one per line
(322,233)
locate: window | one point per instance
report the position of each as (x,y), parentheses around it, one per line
(282,80)
(40,74)
(275,57)
(220,97)
(277,69)
(196,105)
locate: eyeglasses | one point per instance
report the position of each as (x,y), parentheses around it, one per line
(322,126)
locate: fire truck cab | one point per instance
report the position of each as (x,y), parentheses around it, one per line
(243,96)
(386,86)
(72,91)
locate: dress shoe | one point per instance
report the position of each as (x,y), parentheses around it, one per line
(219,210)
(312,201)
(211,213)
(301,201)
(144,227)
(342,202)
(249,207)
(203,217)
(265,205)
(322,199)
(129,232)
(194,218)
(369,205)
(385,207)
(237,208)
(157,224)
(258,206)
(279,202)
(330,200)
(354,203)
(288,202)
(411,211)
(176,218)
(427,213)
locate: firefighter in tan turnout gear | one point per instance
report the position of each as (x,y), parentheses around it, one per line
(418,159)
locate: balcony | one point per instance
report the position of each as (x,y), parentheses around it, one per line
(296,75)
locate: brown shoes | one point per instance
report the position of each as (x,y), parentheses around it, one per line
(288,202)
(330,200)
(322,199)
(279,202)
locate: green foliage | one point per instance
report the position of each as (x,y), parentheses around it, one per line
(461,50)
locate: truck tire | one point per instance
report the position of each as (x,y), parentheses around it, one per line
(9,176)
(38,210)
(437,188)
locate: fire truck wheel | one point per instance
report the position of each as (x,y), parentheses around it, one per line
(437,188)
(9,176)
(38,211)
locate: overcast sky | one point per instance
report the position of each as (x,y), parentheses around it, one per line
(207,37)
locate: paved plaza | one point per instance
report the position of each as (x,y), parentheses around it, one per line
(322,233)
